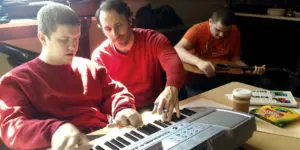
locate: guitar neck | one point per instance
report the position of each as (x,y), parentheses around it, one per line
(252,68)
(225,66)
(234,69)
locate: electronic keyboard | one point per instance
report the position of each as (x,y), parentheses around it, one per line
(206,129)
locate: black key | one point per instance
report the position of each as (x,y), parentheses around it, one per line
(131,137)
(122,141)
(145,130)
(136,134)
(187,112)
(111,146)
(99,148)
(160,123)
(93,137)
(152,127)
(175,119)
(168,123)
(120,145)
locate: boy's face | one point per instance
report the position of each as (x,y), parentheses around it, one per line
(116,27)
(218,30)
(62,45)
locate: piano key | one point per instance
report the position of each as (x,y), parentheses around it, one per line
(113,147)
(99,148)
(145,130)
(122,141)
(187,112)
(93,137)
(131,137)
(136,134)
(168,123)
(118,144)
(152,127)
(175,119)
(160,123)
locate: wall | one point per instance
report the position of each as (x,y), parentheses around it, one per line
(191,11)
(270,42)
(96,35)
(136,4)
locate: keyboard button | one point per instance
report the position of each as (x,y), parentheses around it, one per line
(136,134)
(120,145)
(131,137)
(160,123)
(113,147)
(99,148)
(152,127)
(175,119)
(187,112)
(168,123)
(145,130)
(122,141)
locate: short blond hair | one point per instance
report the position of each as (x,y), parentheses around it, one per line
(54,14)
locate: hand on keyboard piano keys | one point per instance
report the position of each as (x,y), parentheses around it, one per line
(166,102)
(118,138)
(126,117)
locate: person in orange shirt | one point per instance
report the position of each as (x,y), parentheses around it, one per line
(216,38)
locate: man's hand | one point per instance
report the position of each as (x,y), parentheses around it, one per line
(207,67)
(259,70)
(67,136)
(127,117)
(166,102)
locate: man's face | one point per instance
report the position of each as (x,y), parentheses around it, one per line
(116,27)
(63,44)
(218,30)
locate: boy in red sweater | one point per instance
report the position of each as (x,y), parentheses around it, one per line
(50,100)
(138,58)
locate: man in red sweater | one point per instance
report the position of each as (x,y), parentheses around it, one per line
(50,100)
(138,58)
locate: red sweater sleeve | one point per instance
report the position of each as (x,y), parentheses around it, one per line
(17,127)
(168,59)
(116,96)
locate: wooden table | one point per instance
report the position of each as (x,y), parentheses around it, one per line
(259,140)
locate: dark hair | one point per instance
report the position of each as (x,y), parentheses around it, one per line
(224,15)
(117,5)
(53,14)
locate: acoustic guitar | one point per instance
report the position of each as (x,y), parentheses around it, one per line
(224,66)
(221,66)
